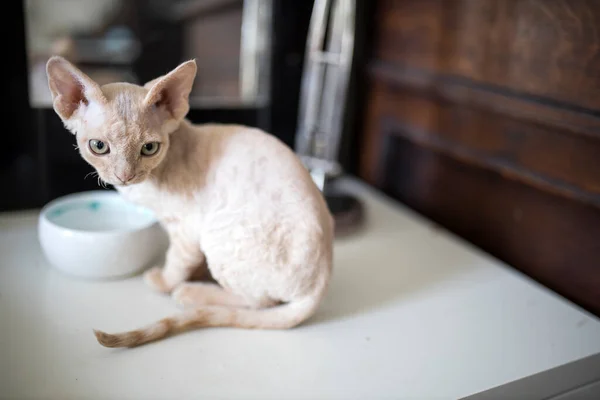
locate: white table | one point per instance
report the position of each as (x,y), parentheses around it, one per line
(413,312)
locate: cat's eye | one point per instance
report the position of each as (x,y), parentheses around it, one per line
(98,147)
(150,149)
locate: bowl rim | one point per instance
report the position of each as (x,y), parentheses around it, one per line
(93,194)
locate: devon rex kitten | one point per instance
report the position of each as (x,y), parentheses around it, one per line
(232,198)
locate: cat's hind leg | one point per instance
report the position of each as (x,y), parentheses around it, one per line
(198,294)
(194,294)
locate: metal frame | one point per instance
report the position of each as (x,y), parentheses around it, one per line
(325,85)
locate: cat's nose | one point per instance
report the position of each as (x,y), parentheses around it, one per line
(124,177)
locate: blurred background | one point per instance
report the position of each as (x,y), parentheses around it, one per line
(483,115)
(136,41)
(248,52)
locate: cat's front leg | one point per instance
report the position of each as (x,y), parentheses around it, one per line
(183,258)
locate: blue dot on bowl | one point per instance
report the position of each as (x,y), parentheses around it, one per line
(94,205)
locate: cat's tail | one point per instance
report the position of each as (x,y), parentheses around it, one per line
(283,316)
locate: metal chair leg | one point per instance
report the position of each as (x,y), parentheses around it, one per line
(326,76)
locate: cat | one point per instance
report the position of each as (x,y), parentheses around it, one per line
(233,199)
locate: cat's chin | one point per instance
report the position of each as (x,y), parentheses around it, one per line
(128,184)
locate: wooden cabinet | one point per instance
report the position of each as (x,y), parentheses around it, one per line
(484,115)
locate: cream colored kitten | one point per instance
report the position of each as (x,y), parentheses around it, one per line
(232,196)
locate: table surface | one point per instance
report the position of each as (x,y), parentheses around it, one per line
(412,312)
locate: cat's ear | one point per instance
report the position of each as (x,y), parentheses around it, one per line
(149,84)
(70,87)
(172,91)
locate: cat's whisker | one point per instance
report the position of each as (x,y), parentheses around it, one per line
(90,174)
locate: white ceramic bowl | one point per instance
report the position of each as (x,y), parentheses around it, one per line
(99,234)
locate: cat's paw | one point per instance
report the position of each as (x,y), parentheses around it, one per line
(154,278)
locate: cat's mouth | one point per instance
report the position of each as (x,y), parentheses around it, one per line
(137,178)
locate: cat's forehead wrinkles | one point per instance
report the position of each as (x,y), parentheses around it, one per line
(116,129)
(126,100)
(125,107)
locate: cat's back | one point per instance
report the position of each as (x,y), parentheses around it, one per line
(255,171)
(252,155)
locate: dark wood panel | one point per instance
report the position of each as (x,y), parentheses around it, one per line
(548,48)
(548,158)
(501,100)
(552,239)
